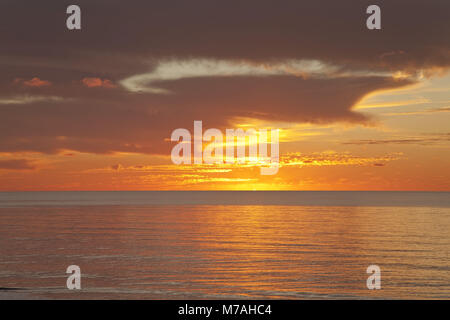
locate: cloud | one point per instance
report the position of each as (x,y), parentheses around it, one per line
(422,140)
(424,112)
(17,164)
(172,70)
(332,158)
(34,82)
(293,159)
(391,104)
(443,109)
(330,31)
(97,82)
(379,164)
(26,99)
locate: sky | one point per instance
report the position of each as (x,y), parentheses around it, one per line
(94,109)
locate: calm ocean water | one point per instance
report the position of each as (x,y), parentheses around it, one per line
(207,245)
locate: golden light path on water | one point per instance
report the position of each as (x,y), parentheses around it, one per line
(170,252)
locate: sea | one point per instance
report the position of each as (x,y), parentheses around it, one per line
(225,245)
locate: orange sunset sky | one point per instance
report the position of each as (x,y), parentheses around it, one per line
(94,109)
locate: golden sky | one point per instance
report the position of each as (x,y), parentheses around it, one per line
(94,109)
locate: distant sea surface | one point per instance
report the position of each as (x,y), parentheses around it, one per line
(225,245)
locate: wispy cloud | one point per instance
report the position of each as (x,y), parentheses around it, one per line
(424,112)
(391,104)
(333,158)
(421,140)
(97,82)
(171,70)
(34,82)
(27,99)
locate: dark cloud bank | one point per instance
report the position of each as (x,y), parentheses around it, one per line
(121,39)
